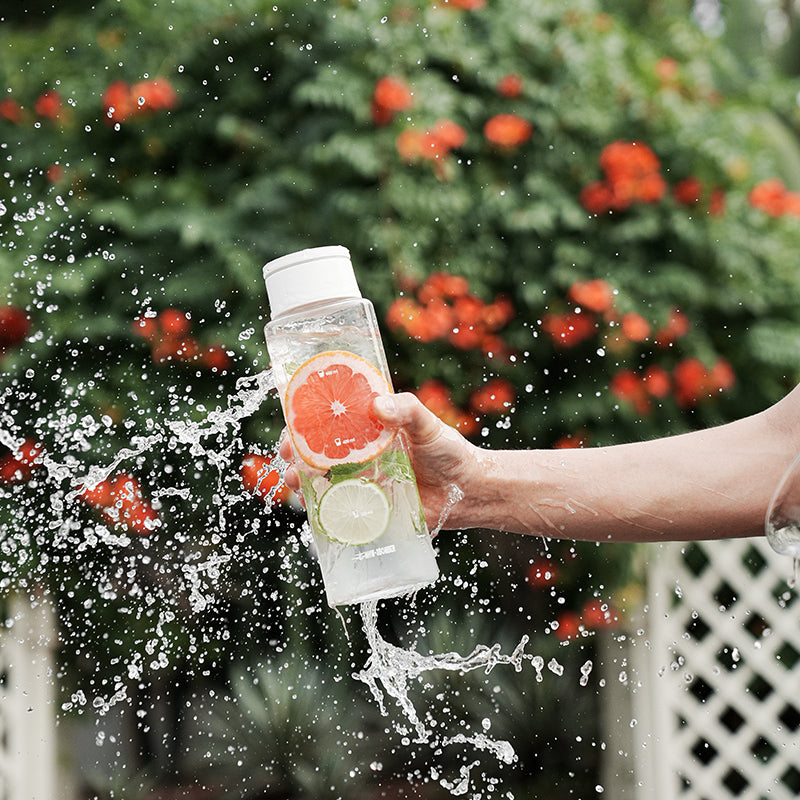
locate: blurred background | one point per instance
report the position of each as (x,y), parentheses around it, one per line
(579,223)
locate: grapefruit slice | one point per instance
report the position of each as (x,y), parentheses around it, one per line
(354,512)
(328,406)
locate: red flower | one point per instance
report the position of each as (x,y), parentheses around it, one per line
(48,105)
(632,174)
(769,196)
(791,204)
(260,478)
(625,160)
(497,314)
(393,94)
(693,381)
(597,197)
(154,95)
(435,396)
(688,192)
(449,134)
(19,465)
(216,358)
(443,285)
(542,573)
(390,96)
(677,327)
(572,441)
(635,327)
(434,144)
(55,172)
(595,295)
(597,614)
(570,329)
(657,381)
(507,130)
(14,326)
(722,376)
(494,397)
(122,101)
(629,387)
(174,322)
(118,102)
(10,110)
(129,509)
(567,627)
(510,86)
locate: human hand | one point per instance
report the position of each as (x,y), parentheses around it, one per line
(440,456)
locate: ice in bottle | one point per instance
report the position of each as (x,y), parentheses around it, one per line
(360,492)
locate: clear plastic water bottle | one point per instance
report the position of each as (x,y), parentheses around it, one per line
(360,492)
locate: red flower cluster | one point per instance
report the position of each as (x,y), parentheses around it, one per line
(122,101)
(169,339)
(632,174)
(433,144)
(595,615)
(444,308)
(260,478)
(772,197)
(437,397)
(14,327)
(570,328)
(573,327)
(507,130)
(594,301)
(693,381)
(18,466)
(494,397)
(689,383)
(122,504)
(390,96)
(48,105)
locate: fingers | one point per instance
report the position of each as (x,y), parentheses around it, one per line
(405,411)
(285,450)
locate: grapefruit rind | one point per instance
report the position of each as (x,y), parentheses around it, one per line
(311,417)
(354,512)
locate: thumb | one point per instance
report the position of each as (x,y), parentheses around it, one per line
(405,411)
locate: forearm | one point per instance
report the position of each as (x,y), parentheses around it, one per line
(702,485)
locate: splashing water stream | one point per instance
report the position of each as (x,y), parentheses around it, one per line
(389,672)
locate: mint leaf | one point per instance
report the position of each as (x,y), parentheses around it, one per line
(396,465)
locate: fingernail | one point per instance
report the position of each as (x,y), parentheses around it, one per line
(386,406)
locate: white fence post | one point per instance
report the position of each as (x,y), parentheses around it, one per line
(27,713)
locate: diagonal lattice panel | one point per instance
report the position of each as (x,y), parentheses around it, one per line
(724,637)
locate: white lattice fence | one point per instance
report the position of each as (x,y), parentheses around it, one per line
(27,715)
(716,701)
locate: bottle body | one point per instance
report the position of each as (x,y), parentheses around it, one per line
(360,493)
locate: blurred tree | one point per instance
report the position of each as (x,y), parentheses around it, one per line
(579,224)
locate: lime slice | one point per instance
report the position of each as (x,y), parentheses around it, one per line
(354,511)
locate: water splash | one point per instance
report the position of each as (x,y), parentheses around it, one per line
(390,671)
(454,495)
